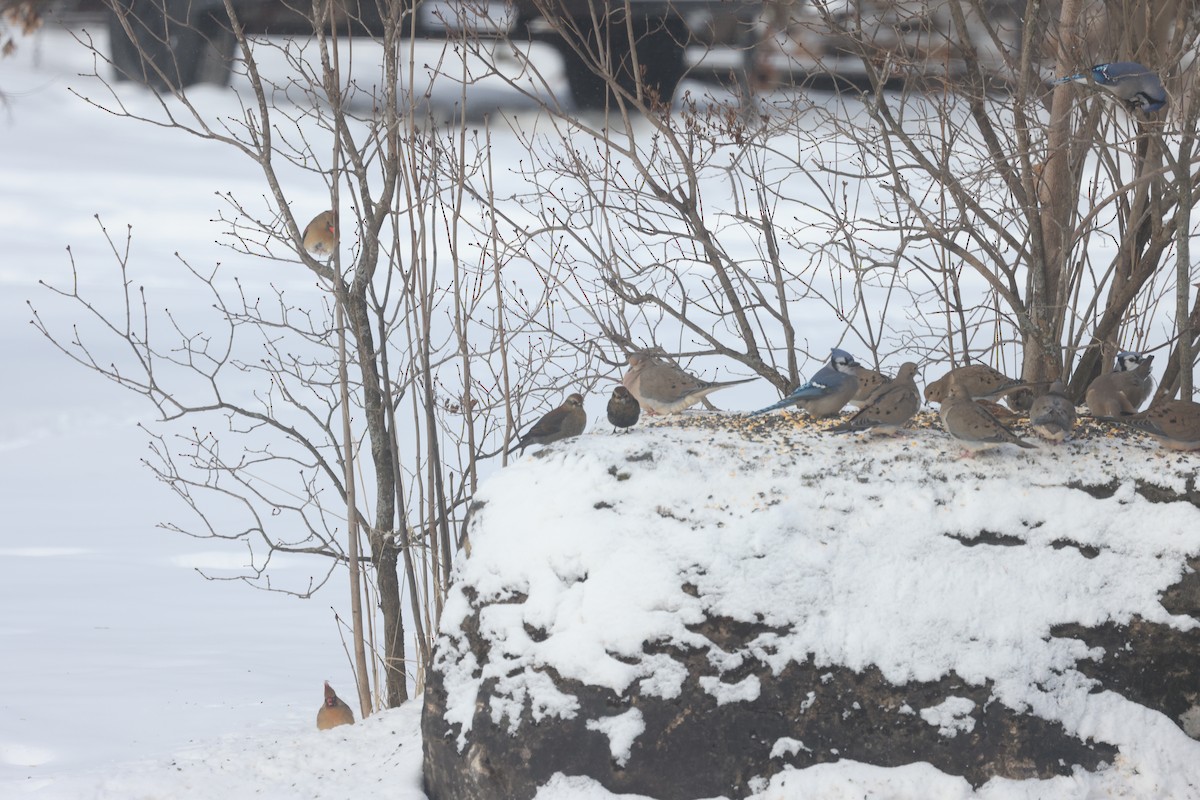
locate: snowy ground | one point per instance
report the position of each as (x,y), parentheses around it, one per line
(126,674)
(113,649)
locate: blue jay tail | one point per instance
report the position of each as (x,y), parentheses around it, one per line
(784,403)
(1079,76)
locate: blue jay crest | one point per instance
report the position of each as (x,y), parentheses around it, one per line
(1134,84)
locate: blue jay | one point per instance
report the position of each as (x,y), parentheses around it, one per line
(1134,84)
(828,391)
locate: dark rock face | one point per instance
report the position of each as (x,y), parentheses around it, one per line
(742,716)
(694,747)
(1154,665)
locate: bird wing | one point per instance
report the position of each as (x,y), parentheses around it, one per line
(667,383)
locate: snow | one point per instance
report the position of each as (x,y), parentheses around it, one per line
(854,553)
(748,688)
(622,730)
(128,675)
(951,717)
(787,746)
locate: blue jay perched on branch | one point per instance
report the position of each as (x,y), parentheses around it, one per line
(1136,85)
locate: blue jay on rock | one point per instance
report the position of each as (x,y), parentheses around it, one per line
(829,390)
(1136,85)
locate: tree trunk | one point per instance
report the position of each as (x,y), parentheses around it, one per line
(1043,356)
(384,553)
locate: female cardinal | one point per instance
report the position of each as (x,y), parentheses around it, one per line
(320,237)
(333,711)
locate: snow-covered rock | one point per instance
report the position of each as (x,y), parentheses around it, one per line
(731,606)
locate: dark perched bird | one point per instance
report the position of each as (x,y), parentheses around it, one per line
(972,424)
(1134,84)
(892,405)
(829,390)
(1052,415)
(1174,423)
(623,408)
(979,381)
(663,388)
(333,711)
(563,422)
(1123,390)
(869,382)
(320,235)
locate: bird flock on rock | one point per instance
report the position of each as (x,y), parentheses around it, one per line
(659,387)
(967,397)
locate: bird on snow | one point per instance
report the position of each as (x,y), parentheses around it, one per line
(1052,415)
(972,424)
(663,388)
(333,711)
(623,408)
(979,381)
(829,390)
(869,382)
(1123,390)
(1174,423)
(1134,84)
(320,236)
(892,405)
(563,422)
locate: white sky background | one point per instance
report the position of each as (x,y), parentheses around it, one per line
(113,649)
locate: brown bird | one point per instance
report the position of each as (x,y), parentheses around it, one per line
(663,388)
(869,381)
(320,236)
(972,424)
(890,408)
(563,422)
(623,408)
(1052,415)
(333,711)
(981,382)
(1174,423)
(1123,390)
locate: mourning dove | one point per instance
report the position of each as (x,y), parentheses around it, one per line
(892,405)
(563,422)
(980,382)
(828,391)
(333,711)
(1174,423)
(1123,390)
(623,408)
(869,382)
(1052,415)
(971,423)
(320,235)
(663,388)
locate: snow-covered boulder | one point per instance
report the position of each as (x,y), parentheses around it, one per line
(723,606)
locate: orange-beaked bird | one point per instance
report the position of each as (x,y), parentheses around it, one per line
(320,236)
(333,711)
